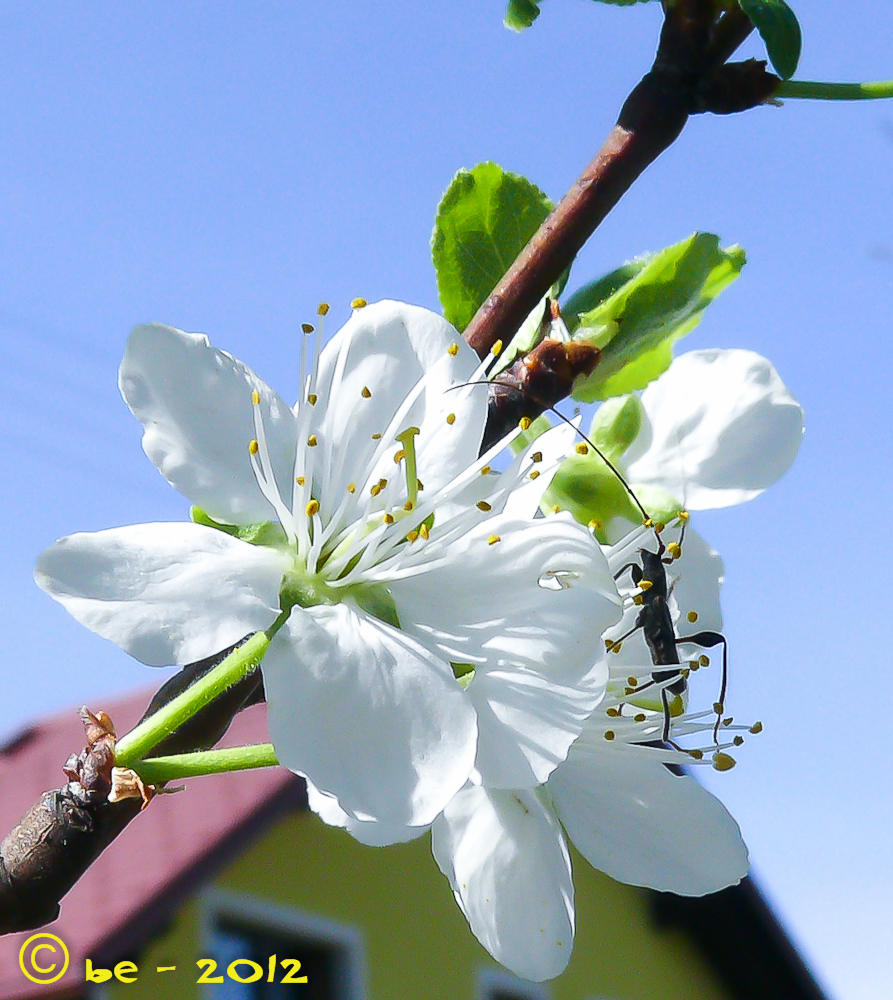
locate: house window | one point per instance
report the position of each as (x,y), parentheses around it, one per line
(497,985)
(257,947)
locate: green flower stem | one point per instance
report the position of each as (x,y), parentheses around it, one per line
(835,91)
(240,662)
(190,765)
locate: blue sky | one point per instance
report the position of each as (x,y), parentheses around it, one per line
(224,167)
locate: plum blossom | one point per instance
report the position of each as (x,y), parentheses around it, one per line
(436,629)
(620,796)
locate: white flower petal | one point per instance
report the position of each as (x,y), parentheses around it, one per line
(505,857)
(639,823)
(195,405)
(723,428)
(368,715)
(371,833)
(698,577)
(165,593)
(528,612)
(386,348)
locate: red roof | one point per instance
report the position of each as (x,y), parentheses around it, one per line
(146,869)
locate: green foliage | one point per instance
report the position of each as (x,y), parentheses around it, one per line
(636,313)
(483,222)
(520,14)
(779,29)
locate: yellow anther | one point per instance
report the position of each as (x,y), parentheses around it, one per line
(483,505)
(683,515)
(312,441)
(728,721)
(704,660)
(582,448)
(648,523)
(696,754)
(555,508)
(496,349)
(375,489)
(685,672)
(639,717)
(253,447)
(609,735)
(453,350)
(399,456)
(486,470)
(632,681)
(609,644)
(312,398)
(388,519)
(300,480)
(537,456)
(409,505)
(659,526)
(312,508)
(351,487)
(757,727)
(674,549)
(534,474)
(694,665)
(524,423)
(366,393)
(382,483)
(738,741)
(646,585)
(612,713)
(255,398)
(616,647)
(376,437)
(451,418)
(722,761)
(493,539)
(638,599)
(718,707)
(692,616)
(322,309)
(306,328)
(412,536)
(423,531)
(595,525)
(419,485)
(357,303)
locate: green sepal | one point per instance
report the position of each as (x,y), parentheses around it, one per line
(780,31)
(484,220)
(591,491)
(616,425)
(269,533)
(644,307)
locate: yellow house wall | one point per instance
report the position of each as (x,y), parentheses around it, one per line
(417,943)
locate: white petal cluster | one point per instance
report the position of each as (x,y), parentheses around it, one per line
(403,559)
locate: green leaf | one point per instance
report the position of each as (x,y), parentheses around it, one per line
(639,311)
(484,221)
(520,14)
(780,30)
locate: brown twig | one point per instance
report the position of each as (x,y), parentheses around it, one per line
(693,49)
(64,832)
